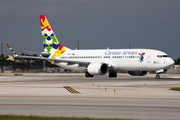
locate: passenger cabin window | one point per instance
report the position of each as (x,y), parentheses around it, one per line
(106,56)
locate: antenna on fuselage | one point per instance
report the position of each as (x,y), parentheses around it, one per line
(78,45)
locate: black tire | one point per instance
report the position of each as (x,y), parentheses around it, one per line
(88,75)
(112,74)
(157,76)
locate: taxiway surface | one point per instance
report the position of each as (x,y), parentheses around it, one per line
(134,97)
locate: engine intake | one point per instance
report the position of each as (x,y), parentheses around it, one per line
(98,69)
(137,73)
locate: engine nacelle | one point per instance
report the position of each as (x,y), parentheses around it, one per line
(161,71)
(137,73)
(98,69)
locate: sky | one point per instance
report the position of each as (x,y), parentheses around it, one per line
(97,24)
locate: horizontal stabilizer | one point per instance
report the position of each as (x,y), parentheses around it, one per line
(14,54)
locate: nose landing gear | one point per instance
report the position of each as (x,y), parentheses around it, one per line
(157,76)
(159,72)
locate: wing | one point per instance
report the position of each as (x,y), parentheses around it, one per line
(58,60)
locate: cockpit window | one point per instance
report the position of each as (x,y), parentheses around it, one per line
(160,56)
(165,55)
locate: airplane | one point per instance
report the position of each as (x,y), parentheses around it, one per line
(138,62)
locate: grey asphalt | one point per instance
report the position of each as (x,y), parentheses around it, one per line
(134,97)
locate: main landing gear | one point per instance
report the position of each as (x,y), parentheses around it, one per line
(88,75)
(112,74)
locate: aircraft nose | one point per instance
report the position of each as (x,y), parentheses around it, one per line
(170,62)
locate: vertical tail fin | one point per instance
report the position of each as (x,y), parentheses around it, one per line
(50,42)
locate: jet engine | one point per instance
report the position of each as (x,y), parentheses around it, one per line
(98,69)
(137,73)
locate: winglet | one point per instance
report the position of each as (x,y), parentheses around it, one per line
(14,54)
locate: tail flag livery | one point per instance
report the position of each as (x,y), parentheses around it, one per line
(50,42)
(14,54)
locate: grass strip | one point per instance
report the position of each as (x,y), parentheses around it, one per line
(177,89)
(31,117)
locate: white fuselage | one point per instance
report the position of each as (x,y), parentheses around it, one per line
(119,59)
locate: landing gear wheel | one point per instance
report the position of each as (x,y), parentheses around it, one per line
(88,75)
(157,76)
(112,74)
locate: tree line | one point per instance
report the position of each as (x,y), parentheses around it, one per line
(177,62)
